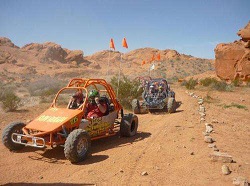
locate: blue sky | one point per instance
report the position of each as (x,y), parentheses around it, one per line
(192,27)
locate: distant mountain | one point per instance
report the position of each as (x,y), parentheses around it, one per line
(27,63)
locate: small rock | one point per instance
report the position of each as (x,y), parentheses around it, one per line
(212,145)
(209,128)
(219,156)
(205,133)
(40,177)
(202,119)
(144,173)
(241,99)
(225,170)
(240,181)
(214,121)
(202,109)
(208,139)
(202,114)
(184,146)
(157,168)
(191,94)
(192,153)
(215,149)
(200,101)
(208,124)
(121,171)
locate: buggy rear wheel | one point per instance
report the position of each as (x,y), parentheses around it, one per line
(171,106)
(136,106)
(77,146)
(129,125)
(15,127)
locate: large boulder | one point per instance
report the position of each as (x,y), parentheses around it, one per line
(47,52)
(232,60)
(172,54)
(75,55)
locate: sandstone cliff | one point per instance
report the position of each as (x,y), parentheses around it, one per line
(232,60)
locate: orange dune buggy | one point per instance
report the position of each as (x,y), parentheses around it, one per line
(62,125)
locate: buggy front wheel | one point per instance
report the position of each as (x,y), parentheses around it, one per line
(15,127)
(77,146)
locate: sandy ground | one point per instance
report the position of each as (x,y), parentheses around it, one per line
(169,147)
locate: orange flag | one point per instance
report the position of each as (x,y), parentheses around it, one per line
(112,44)
(143,62)
(124,43)
(159,57)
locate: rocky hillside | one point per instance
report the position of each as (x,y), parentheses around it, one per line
(27,63)
(171,64)
(233,59)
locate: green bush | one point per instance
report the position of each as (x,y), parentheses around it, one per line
(236,82)
(222,86)
(248,83)
(236,105)
(10,101)
(128,90)
(217,85)
(190,84)
(208,81)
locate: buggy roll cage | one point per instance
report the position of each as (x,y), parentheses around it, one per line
(82,84)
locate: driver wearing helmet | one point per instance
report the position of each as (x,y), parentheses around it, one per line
(95,107)
(76,100)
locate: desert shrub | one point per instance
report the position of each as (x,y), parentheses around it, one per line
(190,84)
(216,85)
(236,105)
(221,86)
(10,101)
(128,90)
(236,82)
(1,92)
(208,99)
(45,86)
(208,81)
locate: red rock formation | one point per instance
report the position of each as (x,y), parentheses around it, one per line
(245,33)
(232,60)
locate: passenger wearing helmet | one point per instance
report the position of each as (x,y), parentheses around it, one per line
(76,100)
(95,107)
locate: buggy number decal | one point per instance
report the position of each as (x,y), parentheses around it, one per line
(52,119)
(73,120)
(97,126)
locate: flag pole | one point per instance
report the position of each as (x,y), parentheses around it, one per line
(108,63)
(124,44)
(119,76)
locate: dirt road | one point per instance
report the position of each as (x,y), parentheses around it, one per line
(169,150)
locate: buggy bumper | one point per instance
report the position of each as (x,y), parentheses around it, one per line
(28,140)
